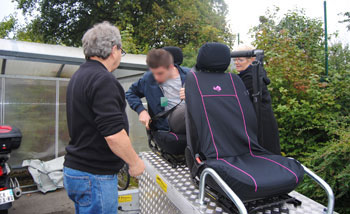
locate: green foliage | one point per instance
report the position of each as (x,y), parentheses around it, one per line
(346,20)
(30,32)
(190,55)
(312,110)
(7,25)
(144,24)
(332,163)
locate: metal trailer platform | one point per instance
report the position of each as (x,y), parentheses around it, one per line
(164,189)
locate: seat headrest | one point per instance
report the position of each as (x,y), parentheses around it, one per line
(176,52)
(213,57)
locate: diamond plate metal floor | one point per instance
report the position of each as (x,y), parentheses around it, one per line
(164,189)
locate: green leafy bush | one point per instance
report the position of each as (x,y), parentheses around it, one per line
(332,163)
(312,110)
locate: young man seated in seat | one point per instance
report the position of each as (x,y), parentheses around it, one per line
(162,87)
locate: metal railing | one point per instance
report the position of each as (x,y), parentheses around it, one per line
(325,186)
(236,200)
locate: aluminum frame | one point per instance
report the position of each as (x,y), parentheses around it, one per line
(238,202)
(325,186)
(235,199)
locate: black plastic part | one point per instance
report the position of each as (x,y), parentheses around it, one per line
(249,53)
(10,139)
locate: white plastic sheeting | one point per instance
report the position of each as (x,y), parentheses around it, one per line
(48,176)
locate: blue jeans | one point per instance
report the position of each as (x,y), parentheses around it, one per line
(92,193)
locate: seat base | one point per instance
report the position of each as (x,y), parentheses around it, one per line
(252,206)
(169,146)
(255,176)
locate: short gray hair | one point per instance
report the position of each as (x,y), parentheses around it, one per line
(100,39)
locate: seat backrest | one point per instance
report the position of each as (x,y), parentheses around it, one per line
(176,52)
(220,116)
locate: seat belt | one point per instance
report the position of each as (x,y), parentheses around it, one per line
(257,78)
(164,114)
(168,112)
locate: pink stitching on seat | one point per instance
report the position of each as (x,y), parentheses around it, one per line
(245,128)
(212,137)
(219,95)
(256,186)
(174,135)
(206,115)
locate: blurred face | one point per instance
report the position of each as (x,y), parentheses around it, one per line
(242,63)
(161,74)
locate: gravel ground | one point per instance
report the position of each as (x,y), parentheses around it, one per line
(38,203)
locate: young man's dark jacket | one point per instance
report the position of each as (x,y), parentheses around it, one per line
(148,87)
(271,140)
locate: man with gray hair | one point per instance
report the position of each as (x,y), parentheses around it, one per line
(98,126)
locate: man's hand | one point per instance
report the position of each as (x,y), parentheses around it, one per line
(182,93)
(120,145)
(137,168)
(144,118)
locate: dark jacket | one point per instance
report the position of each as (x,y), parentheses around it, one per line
(271,140)
(95,109)
(148,87)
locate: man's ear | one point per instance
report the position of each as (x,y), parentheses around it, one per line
(114,50)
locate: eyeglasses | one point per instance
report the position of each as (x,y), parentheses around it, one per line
(239,60)
(120,47)
(123,52)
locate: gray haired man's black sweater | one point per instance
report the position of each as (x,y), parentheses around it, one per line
(95,109)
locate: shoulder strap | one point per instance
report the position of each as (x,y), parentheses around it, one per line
(257,76)
(164,114)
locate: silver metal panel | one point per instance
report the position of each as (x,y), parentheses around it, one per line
(181,195)
(153,199)
(128,200)
(59,54)
(57,111)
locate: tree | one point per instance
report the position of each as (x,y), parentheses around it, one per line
(346,20)
(313,115)
(153,23)
(7,25)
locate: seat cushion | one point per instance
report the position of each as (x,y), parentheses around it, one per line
(257,176)
(170,142)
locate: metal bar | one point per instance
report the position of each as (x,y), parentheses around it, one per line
(30,192)
(325,186)
(235,199)
(131,76)
(14,55)
(249,53)
(325,38)
(60,70)
(3,66)
(2,99)
(57,116)
(30,185)
(34,77)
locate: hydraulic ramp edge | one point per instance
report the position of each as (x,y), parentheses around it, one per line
(164,189)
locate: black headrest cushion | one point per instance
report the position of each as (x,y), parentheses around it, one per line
(176,52)
(213,57)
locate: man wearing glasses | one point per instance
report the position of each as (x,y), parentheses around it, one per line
(98,126)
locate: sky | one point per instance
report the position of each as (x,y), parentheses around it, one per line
(244,14)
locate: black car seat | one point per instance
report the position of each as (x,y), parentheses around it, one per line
(171,146)
(222,132)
